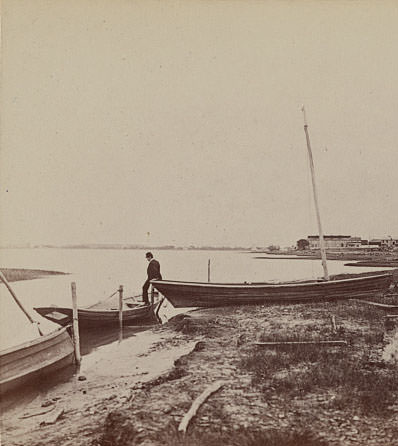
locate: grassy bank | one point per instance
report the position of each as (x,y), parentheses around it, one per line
(298,395)
(15,274)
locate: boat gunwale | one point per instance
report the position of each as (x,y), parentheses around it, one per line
(96,311)
(315,282)
(47,337)
(110,311)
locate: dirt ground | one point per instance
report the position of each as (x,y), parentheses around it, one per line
(243,411)
(269,396)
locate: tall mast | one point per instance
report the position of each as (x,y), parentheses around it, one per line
(318,216)
(18,302)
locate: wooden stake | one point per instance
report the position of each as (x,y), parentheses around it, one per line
(197,403)
(121,307)
(75,325)
(208,270)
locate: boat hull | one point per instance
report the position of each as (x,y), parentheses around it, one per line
(196,294)
(91,318)
(34,359)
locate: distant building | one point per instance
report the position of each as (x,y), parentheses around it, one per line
(335,241)
(341,242)
(387,242)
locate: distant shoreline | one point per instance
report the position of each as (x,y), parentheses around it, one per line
(384,263)
(16,274)
(157,248)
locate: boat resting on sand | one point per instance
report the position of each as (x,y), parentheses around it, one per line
(91,317)
(33,359)
(198,294)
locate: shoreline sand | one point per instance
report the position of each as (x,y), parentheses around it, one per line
(136,391)
(267,394)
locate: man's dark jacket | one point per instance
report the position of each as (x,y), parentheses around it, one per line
(154,270)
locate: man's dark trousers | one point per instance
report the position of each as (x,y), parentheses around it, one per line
(145,289)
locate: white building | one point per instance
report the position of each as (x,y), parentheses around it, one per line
(386,242)
(335,241)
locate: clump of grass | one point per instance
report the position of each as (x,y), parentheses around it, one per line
(357,312)
(243,437)
(309,368)
(389,299)
(194,325)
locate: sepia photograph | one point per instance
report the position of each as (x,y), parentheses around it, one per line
(199,223)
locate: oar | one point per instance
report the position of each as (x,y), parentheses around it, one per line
(5,281)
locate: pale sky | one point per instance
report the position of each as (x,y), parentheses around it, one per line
(166,122)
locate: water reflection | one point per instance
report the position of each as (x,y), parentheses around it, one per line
(93,338)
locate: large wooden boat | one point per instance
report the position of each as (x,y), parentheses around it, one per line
(33,359)
(191,294)
(92,317)
(197,294)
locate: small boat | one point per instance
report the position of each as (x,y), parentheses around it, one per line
(34,359)
(91,318)
(204,294)
(194,294)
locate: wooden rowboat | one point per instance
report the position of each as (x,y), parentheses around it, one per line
(197,294)
(90,318)
(33,359)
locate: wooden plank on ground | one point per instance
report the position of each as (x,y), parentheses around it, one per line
(377,304)
(197,403)
(293,343)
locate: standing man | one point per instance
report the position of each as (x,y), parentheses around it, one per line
(153,273)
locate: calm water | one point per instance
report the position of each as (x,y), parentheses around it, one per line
(98,273)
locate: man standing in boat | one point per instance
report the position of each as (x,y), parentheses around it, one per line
(153,273)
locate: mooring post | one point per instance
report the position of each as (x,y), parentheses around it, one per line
(121,306)
(75,324)
(208,270)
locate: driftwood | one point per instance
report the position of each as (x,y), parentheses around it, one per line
(377,304)
(333,322)
(283,343)
(53,419)
(36,414)
(197,403)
